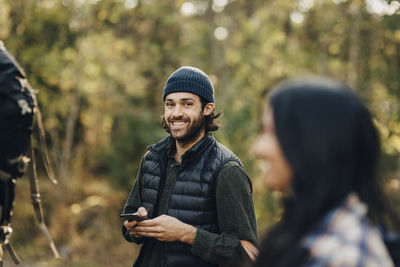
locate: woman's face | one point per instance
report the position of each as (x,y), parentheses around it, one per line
(277,172)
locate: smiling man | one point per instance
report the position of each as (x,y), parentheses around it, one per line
(192,193)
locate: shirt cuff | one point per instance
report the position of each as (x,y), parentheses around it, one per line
(131,238)
(201,245)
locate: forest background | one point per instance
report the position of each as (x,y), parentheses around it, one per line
(100,67)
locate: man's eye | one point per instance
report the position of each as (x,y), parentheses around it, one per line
(169,104)
(188,104)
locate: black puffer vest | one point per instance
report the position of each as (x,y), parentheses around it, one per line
(192,199)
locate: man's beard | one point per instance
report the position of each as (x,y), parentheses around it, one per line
(193,132)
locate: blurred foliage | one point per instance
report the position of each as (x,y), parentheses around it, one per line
(119,163)
(100,66)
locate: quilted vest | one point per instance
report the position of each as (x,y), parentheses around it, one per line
(192,199)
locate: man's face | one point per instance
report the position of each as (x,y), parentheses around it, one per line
(184,116)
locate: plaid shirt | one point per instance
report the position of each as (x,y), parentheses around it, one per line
(345,238)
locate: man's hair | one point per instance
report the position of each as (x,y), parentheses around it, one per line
(210,121)
(331,144)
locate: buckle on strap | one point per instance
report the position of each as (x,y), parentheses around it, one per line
(21,162)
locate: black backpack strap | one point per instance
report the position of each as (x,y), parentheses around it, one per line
(36,201)
(5,233)
(8,194)
(43,144)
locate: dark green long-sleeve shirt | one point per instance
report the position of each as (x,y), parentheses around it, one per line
(236,218)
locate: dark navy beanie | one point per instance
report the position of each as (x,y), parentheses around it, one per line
(190,80)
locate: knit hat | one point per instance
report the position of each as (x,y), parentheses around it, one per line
(190,80)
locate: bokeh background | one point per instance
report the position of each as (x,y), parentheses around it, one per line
(100,66)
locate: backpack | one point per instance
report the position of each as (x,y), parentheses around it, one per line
(17,110)
(16,116)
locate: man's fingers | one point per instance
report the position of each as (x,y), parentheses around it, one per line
(133,231)
(148,223)
(130,224)
(156,235)
(135,234)
(148,229)
(142,212)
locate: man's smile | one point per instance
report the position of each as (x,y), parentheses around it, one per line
(177,124)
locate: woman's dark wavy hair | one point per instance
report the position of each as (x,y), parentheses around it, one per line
(328,137)
(210,122)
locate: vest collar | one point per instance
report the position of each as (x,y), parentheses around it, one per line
(161,146)
(192,153)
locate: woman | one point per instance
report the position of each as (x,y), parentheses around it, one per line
(321,148)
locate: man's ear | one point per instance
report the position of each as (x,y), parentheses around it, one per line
(208,109)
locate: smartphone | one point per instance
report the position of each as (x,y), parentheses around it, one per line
(132,217)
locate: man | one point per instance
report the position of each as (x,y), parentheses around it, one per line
(192,192)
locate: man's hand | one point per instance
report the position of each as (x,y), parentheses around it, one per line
(167,228)
(131,225)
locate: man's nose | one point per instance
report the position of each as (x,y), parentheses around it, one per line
(177,110)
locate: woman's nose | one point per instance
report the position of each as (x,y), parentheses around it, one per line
(256,147)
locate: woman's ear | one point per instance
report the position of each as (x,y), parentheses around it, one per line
(208,109)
